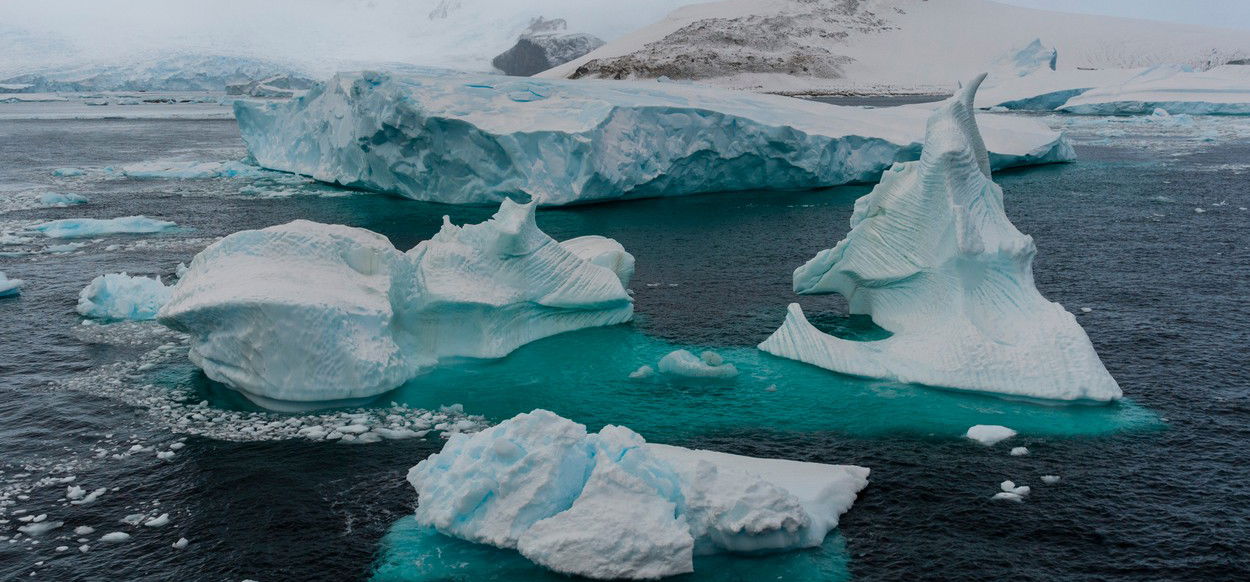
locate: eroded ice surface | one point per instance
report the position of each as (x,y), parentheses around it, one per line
(565,142)
(609,505)
(90,227)
(118,296)
(307,314)
(932,257)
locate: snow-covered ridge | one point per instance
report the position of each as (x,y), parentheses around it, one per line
(609,505)
(933,258)
(306,315)
(475,139)
(874,46)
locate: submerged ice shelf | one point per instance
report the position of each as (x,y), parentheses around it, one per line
(609,505)
(564,142)
(306,314)
(933,258)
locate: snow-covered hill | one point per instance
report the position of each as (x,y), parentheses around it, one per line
(816,46)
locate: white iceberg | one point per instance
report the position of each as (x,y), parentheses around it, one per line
(91,227)
(475,139)
(306,315)
(932,257)
(609,505)
(989,434)
(685,364)
(10,287)
(1223,90)
(118,296)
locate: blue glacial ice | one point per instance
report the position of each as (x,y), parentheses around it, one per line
(933,258)
(60,200)
(10,287)
(475,139)
(306,315)
(118,296)
(609,505)
(92,227)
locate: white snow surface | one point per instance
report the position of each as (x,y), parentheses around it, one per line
(118,296)
(872,46)
(1219,91)
(308,315)
(933,258)
(609,505)
(475,139)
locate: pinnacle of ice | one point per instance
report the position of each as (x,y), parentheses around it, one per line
(932,257)
(609,505)
(306,315)
(118,296)
(461,138)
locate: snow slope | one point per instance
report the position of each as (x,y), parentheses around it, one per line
(871,46)
(608,505)
(933,258)
(475,139)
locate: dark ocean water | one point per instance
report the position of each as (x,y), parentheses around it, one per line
(1154,488)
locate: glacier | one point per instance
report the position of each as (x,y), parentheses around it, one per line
(1223,90)
(475,139)
(307,315)
(609,505)
(92,227)
(118,296)
(932,258)
(10,287)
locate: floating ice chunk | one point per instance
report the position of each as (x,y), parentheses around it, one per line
(565,142)
(643,371)
(1050,479)
(59,200)
(118,296)
(90,498)
(84,530)
(190,170)
(68,172)
(90,227)
(115,537)
(181,543)
(989,434)
(10,287)
(609,505)
(165,455)
(8,238)
(685,364)
(1019,451)
(1007,496)
(39,527)
(1011,487)
(306,315)
(932,257)
(159,521)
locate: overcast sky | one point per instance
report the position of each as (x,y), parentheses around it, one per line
(1226,13)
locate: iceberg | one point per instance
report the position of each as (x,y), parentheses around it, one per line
(685,364)
(476,139)
(118,296)
(91,227)
(609,505)
(1223,90)
(60,200)
(933,259)
(10,287)
(305,315)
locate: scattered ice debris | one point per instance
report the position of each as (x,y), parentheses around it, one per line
(1011,487)
(134,518)
(609,505)
(123,297)
(643,371)
(65,248)
(115,537)
(165,455)
(92,227)
(10,287)
(683,139)
(12,239)
(90,497)
(60,200)
(68,172)
(159,521)
(685,364)
(38,527)
(933,258)
(989,434)
(181,543)
(1019,451)
(1050,479)
(306,315)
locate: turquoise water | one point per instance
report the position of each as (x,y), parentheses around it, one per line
(411,552)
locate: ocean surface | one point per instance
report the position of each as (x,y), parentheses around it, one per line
(1148,230)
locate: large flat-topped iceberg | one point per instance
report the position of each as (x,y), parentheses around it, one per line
(932,257)
(608,505)
(475,139)
(1222,90)
(308,315)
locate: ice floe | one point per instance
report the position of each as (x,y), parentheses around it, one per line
(989,434)
(564,142)
(609,505)
(118,296)
(91,227)
(685,364)
(933,258)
